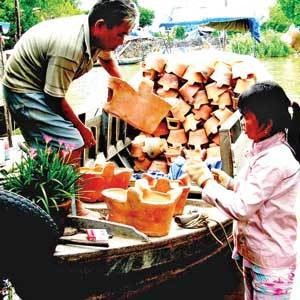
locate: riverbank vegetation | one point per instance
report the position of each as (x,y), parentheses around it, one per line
(270,45)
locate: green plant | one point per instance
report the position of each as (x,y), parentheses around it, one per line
(43,176)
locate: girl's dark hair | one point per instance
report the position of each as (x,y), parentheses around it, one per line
(113,12)
(268,101)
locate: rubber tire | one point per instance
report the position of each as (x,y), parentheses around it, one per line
(29,237)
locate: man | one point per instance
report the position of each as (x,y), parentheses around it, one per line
(48,57)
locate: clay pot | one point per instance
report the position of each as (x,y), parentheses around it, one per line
(224,100)
(176,67)
(198,154)
(203,113)
(164,185)
(149,211)
(213,91)
(242,70)
(156,62)
(222,114)
(173,123)
(171,153)
(95,179)
(166,94)
(222,74)
(187,91)
(159,165)
(161,130)
(190,123)
(243,84)
(180,110)
(197,138)
(192,75)
(200,98)
(143,109)
(177,137)
(168,81)
(211,126)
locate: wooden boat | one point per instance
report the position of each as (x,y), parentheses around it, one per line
(133,263)
(129,60)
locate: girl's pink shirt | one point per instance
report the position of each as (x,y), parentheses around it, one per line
(263,204)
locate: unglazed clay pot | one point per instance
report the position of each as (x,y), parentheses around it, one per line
(243,84)
(165,185)
(177,137)
(95,179)
(149,211)
(168,81)
(197,138)
(142,109)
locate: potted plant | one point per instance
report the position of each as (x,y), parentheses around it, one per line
(44,176)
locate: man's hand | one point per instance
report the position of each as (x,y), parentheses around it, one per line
(222,177)
(87,136)
(198,171)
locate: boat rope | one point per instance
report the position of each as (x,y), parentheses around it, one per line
(200,220)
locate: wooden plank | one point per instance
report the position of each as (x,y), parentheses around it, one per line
(229,133)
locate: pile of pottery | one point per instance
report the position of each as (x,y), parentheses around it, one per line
(149,205)
(180,104)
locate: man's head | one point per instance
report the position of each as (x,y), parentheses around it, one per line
(110,21)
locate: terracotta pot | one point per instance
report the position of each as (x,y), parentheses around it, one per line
(192,75)
(168,81)
(213,91)
(159,165)
(155,61)
(177,137)
(161,130)
(242,70)
(95,179)
(222,114)
(143,109)
(187,91)
(173,123)
(164,185)
(243,84)
(222,74)
(194,153)
(203,113)
(224,100)
(180,110)
(190,123)
(200,98)
(149,211)
(197,138)
(211,126)
(176,67)
(171,153)
(166,94)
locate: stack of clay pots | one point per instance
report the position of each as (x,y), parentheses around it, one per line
(180,104)
(202,91)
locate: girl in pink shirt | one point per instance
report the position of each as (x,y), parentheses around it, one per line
(262,198)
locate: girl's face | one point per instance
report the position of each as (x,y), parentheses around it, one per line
(253,129)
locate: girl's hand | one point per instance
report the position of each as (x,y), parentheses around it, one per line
(222,177)
(198,171)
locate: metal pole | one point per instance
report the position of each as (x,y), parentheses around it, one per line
(18,19)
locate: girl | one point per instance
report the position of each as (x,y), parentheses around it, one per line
(262,200)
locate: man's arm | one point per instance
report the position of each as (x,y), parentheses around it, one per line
(111,67)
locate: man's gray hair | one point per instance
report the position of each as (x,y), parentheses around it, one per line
(114,12)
